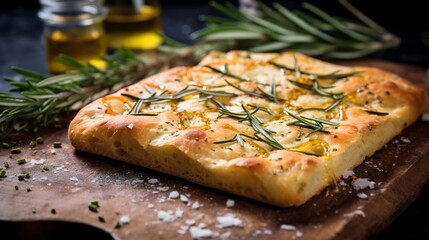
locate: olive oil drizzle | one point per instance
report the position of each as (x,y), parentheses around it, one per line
(248,113)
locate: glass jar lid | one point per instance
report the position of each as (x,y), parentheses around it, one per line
(72,12)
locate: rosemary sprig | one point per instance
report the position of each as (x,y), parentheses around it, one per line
(225,72)
(313,32)
(271,96)
(376,113)
(315,124)
(334,75)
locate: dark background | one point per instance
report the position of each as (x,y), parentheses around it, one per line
(21,45)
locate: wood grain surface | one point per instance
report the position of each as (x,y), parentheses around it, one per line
(400,171)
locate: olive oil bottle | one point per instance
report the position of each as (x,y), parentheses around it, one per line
(73,28)
(133,24)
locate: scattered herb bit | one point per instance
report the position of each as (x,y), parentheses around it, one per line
(21,161)
(101,219)
(39,140)
(2,173)
(6,164)
(23,176)
(16,188)
(36,130)
(28,189)
(57,144)
(34,211)
(58,126)
(33,144)
(118,224)
(93,206)
(53,211)
(16,150)
(5,145)
(46,168)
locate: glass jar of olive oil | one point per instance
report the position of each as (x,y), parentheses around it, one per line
(74,28)
(133,24)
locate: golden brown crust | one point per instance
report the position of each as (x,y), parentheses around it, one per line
(182,139)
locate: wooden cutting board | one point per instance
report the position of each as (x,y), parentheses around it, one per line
(400,171)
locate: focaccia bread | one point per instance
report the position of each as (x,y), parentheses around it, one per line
(277,128)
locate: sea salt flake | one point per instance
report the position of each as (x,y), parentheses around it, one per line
(362,183)
(184,198)
(230,203)
(229,220)
(299,234)
(197,232)
(425,117)
(348,174)
(74,179)
(362,196)
(37,162)
(150,205)
(173,194)
(195,205)
(137,181)
(124,220)
(165,216)
(163,189)
(190,222)
(152,180)
(287,227)
(178,213)
(355,213)
(405,140)
(130,126)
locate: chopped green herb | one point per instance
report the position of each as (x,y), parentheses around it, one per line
(5,145)
(2,173)
(16,150)
(93,206)
(46,168)
(34,211)
(118,225)
(28,189)
(39,140)
(53,211)
(58,126)
(6,164)
(57,144)
(33,144)
(21,161)
(16,188)
(101,219)
(36,130)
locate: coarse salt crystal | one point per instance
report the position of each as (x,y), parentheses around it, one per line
(137,181)
(230,203)
(165,216)
(299,234)
(124,220)
(152,180)
(195,205)
(190,222)
(197,232)
(178,213)
(37,162)
(229,220)
(150,205)
(173,194)
(425,117)
(163,189)
(348,174)
(287,227)
(362,183)
(405,140)
(74,179)
(130,126)
(357,212)
(184,198)
(362,196)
